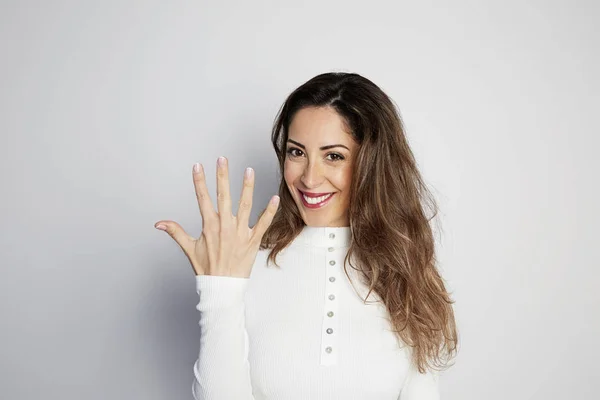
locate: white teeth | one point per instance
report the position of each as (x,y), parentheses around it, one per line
(315,200)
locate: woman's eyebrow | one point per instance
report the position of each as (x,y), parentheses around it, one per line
(321,148)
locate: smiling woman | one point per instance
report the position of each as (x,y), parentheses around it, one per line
(350,195)
(382,200)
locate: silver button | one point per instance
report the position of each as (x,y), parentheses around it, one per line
(331,262)
(332,279)
(330,249)
(331,235)
(331,297)
(330,314)
(329,330)
(328,349)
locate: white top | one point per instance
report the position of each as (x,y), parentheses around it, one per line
(301,332)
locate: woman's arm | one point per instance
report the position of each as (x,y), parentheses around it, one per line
(420,386)
(222,370)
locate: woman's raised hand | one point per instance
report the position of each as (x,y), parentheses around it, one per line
(227,245)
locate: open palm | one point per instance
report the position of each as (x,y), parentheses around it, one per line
(227,245)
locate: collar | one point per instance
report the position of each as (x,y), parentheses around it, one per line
(325,236)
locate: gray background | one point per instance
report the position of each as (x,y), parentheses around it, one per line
(105,106)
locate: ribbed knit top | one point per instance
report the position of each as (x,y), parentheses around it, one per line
(301,331)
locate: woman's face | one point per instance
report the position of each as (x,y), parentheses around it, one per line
(318,165)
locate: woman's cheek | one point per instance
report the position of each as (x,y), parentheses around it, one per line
(289,172)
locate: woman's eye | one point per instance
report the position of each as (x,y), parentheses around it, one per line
(291,152)
(337,156)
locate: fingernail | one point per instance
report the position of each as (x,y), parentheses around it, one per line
(275,200)
(221,161)
(197,167)
(161,227)
(248,172)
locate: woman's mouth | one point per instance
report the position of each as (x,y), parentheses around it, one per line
(315,202)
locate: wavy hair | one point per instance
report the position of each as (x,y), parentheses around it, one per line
(391,237)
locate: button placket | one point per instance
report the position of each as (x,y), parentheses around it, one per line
(329,341)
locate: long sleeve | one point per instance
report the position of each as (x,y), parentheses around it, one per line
(421,386)
(222,370)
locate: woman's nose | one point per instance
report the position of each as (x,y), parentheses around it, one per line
(312,175)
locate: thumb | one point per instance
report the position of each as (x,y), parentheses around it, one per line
(177,233)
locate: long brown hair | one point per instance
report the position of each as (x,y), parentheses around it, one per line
(391,237)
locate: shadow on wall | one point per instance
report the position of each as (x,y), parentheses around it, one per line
(169,322)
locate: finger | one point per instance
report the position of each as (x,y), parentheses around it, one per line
(223,195)
(207,209)
(185,241)
(265,220)
(245,205)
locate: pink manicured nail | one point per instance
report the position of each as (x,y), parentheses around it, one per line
(221,161)
(161,227)
(248,172)
(197,167)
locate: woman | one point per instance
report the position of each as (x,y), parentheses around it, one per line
(305,328)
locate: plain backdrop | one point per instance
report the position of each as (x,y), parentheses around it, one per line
(106,105)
